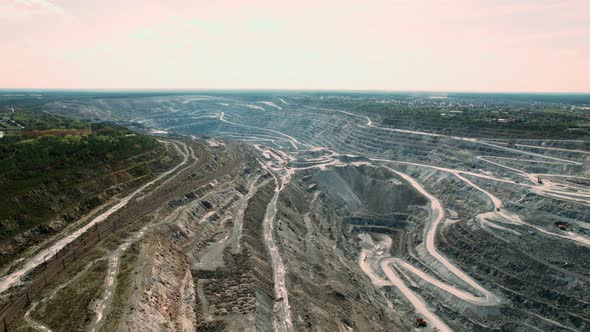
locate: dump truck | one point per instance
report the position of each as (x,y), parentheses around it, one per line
(562,225)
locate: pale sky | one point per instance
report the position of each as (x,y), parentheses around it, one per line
(458,45)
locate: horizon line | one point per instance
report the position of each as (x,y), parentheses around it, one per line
(182,90)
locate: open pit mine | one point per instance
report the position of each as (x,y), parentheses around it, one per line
(279,214)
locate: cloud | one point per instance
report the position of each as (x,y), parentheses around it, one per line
(23,9)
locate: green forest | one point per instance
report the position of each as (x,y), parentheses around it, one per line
(56,164)
(507,120)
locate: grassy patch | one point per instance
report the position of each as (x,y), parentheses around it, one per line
(70,308)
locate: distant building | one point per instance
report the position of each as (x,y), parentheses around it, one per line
(1,134)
